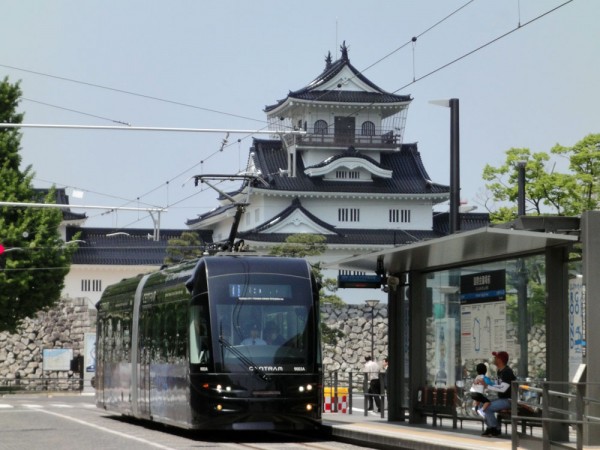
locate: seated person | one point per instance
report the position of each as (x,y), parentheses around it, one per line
(480,401)
(271,334)
(254,337)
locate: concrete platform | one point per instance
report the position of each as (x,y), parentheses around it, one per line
(376,432)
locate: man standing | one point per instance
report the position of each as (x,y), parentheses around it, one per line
(503,388)
(371,371)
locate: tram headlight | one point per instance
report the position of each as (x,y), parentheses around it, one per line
(219,407)
(309,407)
(301,388)
(306,388)
(309,387)
(218,388)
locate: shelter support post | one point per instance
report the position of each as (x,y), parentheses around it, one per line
(417,298)
(590,238)
(557,320)
(395,377)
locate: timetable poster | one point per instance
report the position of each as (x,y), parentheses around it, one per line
(482,314)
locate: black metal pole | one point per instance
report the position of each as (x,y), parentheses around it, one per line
(372,333)
(521,187)
(454,166)
(523,321)
(522,275)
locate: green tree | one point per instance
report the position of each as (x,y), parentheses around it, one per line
(33,268)
(187,246)
(584,162)
(547,191)
(301,246)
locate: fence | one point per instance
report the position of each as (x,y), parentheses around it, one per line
(354,383)
(566,403)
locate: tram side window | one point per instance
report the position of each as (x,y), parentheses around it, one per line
(198,328)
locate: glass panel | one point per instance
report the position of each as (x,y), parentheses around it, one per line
(474,311)
(264,320)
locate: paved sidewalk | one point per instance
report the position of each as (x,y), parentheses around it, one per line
(373,431)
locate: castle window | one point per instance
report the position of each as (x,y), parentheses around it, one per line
(351,272)
(368,128)
(348,215)
(91,285)
(321,127)
(347,174)
(399,215)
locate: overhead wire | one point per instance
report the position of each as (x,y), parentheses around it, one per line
(415,80)
(438,69)
(76,111)
(128,201)
(481,47)
(123,91)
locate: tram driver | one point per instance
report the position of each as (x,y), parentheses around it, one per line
(254,337)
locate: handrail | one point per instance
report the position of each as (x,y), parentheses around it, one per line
(575,416)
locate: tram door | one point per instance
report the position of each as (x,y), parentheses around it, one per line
(145,350)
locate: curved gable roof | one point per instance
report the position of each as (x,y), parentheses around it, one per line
(409,175)
(315,91)
(294,206)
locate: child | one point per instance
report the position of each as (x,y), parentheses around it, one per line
(480,401)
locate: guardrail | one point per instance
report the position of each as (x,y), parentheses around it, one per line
(566,404)
(53,384)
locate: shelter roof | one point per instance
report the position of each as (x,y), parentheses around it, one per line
(461,249)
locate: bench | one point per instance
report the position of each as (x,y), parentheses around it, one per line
(444,403)
(528,413)
(438,403)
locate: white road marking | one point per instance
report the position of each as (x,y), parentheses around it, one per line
(108,430)
(5,406)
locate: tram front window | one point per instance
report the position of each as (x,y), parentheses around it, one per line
(263,324)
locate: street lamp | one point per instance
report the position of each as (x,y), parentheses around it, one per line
(372,304)
(453,104)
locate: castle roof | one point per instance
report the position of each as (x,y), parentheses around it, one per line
(134,246)
(320,89)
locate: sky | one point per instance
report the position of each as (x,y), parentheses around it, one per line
(216,65)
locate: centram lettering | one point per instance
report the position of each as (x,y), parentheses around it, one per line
(267,368)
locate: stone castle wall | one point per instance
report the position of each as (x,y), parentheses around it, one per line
(62,326)
(65,325)
(355,322)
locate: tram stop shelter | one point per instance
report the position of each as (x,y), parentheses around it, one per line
(455,299)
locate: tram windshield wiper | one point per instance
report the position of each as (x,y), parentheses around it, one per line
(255,369)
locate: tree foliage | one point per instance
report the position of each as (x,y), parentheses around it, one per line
(33,268)
(584,162)
(187,246)
(301,246)
(547,191)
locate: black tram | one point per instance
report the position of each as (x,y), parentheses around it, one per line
(226,342)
